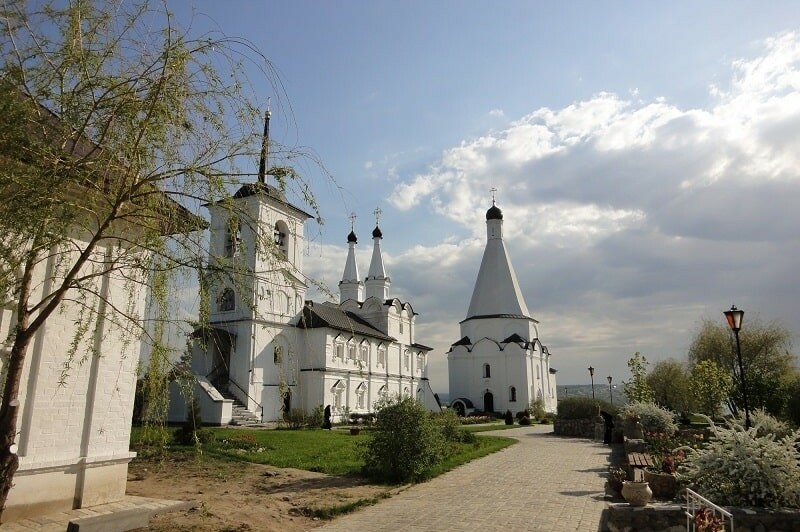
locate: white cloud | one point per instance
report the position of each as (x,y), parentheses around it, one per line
(627,220)
(497,113)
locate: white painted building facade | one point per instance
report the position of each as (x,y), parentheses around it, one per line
(500,362)
(273,351)
(74,421)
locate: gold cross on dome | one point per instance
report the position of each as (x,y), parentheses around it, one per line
(377,212)
(352,221)
(493,191)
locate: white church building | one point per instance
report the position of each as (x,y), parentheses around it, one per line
(268,351)
(499,363)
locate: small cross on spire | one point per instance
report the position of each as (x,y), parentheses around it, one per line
(353,221)
(377,212)
(493,191)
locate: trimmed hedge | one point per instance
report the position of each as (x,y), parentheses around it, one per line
(583,407)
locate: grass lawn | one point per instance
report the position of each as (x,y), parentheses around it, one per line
(334,452)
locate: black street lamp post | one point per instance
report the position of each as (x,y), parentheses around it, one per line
(591,374)
(610,394)
(734,317)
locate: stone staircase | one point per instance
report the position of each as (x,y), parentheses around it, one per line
(241,415)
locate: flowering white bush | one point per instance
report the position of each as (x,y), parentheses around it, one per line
(740,468)
(766,424)
(652,417)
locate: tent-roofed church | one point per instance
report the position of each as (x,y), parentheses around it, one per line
(267,351)
(499,363)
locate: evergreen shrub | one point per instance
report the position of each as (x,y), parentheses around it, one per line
(509,418)
(405,442)
(191,431)
(451,428)
(583,407)
(316,417)
(295,418)
(536,408)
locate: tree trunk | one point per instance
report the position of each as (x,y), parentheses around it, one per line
(9,462)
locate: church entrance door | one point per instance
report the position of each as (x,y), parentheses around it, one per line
(287,402)
(488,403)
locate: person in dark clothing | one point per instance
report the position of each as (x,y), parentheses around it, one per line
(608,422)
(326,424)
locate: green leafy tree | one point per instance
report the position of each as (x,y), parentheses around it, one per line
(637,389)
(766,358)
(710,385)
(404,443)
(669,381)
(793,404)
(117,127)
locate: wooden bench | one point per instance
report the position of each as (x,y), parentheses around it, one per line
(638,462)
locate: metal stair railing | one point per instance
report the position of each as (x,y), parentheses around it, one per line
(215,377)
(696,503)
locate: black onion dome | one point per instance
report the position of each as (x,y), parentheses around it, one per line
(376,233)
(494,213)
(352,238)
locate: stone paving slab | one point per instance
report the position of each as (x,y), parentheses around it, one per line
(544,482)
(58,522)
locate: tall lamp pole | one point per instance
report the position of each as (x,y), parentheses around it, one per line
(734,317)
(591,374)
(610,395)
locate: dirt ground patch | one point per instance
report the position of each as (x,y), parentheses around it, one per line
(240,496)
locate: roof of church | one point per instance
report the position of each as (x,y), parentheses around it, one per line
(422,347)
(268,191)
(317,315)
(496,292)
(494,213)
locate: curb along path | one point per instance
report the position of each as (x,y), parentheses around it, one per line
(544,482)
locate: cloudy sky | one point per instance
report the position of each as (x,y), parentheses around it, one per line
(646,157)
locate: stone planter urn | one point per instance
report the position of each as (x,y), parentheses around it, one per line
(663,485)
(636,493)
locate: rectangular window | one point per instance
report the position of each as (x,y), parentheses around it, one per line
(407,360)
(351,352)
(401,326)
(340,351)
(381,356)
(364,353)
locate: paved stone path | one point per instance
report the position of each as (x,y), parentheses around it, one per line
(545,482)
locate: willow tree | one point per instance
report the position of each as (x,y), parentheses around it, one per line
(117,127)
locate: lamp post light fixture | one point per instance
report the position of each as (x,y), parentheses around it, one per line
(610,394)
(591,374)
(734,317)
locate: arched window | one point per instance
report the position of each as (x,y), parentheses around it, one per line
(361,394)
(512,394)
(281,241)
(227,301)
(338,391)
(277,355)
(487,371)
(537,372)
(381,355)
(233,239)
(406,392)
